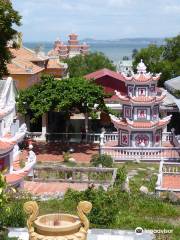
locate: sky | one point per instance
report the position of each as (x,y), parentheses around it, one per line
(47,20)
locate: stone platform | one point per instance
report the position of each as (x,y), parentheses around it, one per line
(94,234)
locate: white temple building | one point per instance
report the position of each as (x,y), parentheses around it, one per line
(11,134)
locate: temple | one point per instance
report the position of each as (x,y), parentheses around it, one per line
(11,135)
(140,124)
(69,50)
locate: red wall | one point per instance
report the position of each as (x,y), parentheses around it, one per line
(111,84)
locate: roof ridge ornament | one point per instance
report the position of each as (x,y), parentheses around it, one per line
(141,67)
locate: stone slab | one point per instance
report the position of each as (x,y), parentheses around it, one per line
(94,234)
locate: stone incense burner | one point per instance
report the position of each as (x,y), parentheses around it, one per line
(57,226)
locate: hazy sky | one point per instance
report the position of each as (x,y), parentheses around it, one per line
(100,19)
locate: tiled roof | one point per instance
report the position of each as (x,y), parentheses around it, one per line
(22,63)
(142,77)
(20,66)
(104,72)
(26,54)
(141,99)
(138,124)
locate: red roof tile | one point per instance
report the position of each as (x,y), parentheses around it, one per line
(104,72)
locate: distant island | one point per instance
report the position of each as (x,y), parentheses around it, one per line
(114,49)
(147,41)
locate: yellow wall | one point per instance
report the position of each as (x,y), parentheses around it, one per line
(24,81)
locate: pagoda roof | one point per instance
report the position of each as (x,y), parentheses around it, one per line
(141,77)
(128,124)
(140,99)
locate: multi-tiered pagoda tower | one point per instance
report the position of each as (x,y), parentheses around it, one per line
(140,125)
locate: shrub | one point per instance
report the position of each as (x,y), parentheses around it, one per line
(15,216)
(120,176)
(103,159)
(104,209)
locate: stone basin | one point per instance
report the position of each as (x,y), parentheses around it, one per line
(57,224)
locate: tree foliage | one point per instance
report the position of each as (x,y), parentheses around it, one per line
(82,65)
(65,95)
(8,19)
(164,59)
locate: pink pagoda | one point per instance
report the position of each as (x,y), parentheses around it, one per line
(69,50)
(140,125)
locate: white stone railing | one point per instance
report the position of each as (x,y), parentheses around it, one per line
(171,168)
(143,154)
(31,161)
(89,137)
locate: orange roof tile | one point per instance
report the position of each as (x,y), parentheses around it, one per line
(142,77)
(26,54)
(141,99)
(139,124)
(20,66)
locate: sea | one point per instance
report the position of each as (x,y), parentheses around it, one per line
(115,50)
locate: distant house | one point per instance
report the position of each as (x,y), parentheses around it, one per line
(27,66)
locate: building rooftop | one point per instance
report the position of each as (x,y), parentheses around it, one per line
(27,54)
(173,84)
(22,66)
(104,72)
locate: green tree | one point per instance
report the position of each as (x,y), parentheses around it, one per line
(67,95)
(164,59)
(82,65)
(8,19)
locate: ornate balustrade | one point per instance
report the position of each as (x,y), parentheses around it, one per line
(75,174)
(89,137)
(144,154)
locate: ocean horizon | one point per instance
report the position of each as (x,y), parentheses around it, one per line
(115,50)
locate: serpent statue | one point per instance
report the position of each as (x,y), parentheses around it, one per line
(31,208)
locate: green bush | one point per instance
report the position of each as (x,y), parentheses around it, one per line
(15,216)
(104,209)
(121,176)
(102,159)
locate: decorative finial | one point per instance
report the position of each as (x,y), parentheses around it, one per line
(141,67)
